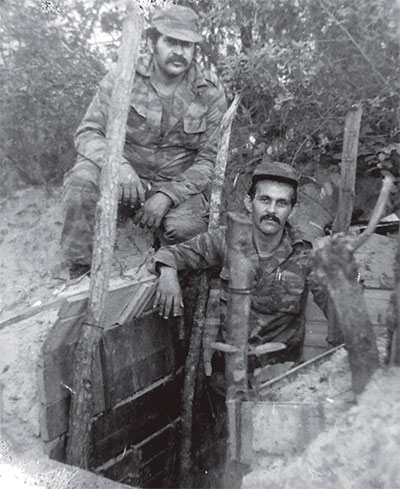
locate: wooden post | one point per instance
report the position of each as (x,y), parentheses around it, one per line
(105,232)
(348,167)
(193,356)
(344,210)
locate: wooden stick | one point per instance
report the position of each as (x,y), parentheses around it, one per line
(105,231)
(220,166)
(348,170)
(377,213)
(193,356)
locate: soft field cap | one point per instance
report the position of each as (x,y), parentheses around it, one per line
(177,22)
(276,169)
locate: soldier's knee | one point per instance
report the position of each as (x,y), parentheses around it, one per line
(80,189)
(178,230)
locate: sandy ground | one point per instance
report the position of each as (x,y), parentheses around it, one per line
(32,275)
(360,451)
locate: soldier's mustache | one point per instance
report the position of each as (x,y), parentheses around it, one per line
(268,217)
(175,58)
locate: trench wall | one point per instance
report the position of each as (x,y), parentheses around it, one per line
(136,391)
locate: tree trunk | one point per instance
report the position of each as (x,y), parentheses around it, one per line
(105,231)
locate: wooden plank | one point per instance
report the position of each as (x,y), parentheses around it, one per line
(139,354)
(377,302)
(310,352)
(140,374)
(140,302)
(54,419)
(278,428)
(134,420)
(376,260)
(65,332)
(55,449)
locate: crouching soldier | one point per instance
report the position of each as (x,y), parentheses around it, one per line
(283,275)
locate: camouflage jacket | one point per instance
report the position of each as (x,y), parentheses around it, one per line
(179,162)
(280,288)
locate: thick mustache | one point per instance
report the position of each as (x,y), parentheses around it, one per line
(272,217)
(175,58)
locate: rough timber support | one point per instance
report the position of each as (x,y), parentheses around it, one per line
(105,231)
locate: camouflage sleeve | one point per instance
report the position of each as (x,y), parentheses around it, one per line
(203,251)
(196,178)
(90,137)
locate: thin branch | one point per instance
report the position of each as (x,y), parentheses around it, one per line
(377,213)
(376,72)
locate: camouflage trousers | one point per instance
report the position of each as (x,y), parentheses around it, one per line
(81,193)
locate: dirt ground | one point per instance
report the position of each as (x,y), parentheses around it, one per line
(361,449)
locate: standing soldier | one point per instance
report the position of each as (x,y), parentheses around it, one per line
(170,145)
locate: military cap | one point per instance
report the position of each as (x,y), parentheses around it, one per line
(177,22)
(277,170)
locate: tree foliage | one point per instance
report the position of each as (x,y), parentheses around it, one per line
(47,75)
(301,65)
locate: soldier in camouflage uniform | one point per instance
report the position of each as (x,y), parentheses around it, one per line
(170,147)
(282,263)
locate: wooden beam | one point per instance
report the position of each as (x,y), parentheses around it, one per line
(348,167)
(105,232)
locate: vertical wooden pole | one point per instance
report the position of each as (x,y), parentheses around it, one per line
(193,356)
(348,167)
(342,221)
(105,232)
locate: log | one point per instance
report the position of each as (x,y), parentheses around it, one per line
(105,231)
(193,356)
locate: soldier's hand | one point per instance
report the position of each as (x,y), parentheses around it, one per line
(168,296)
(153,210)
(131,191)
